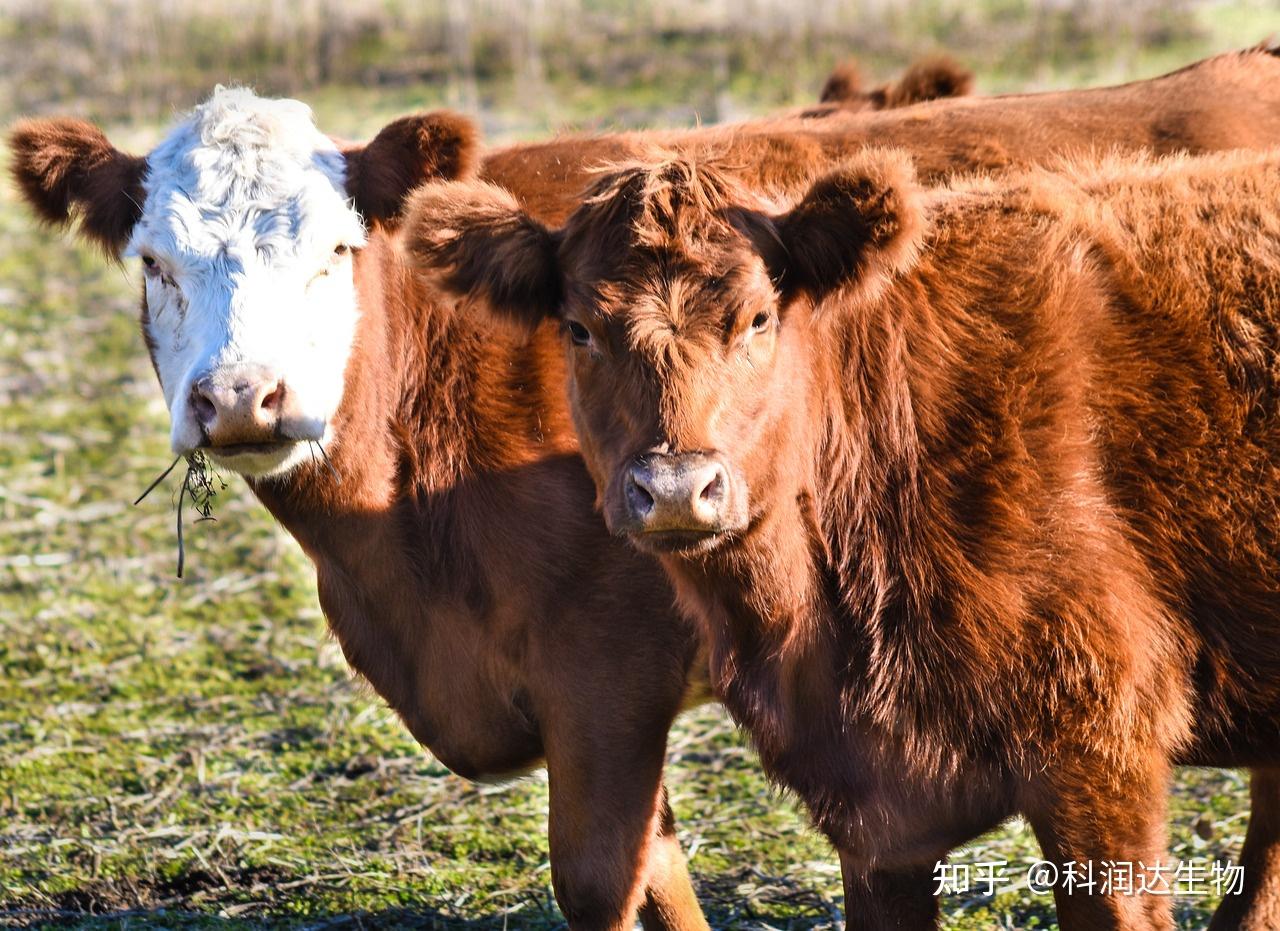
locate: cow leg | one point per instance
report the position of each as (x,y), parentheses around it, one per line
(884,900)
(670,904)
(612,850)
(1100,814)
(1257,907)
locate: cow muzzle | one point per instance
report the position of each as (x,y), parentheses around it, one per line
(247,410)
(676,501)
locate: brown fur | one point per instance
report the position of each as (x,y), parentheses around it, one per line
(1013,535)
(405,153)
(844,84)
(931,78)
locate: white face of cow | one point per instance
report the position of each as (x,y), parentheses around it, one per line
(246,239)
(244,220)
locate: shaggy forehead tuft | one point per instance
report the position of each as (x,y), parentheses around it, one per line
(668,198)
(244,165)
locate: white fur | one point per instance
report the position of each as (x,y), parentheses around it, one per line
(245,204)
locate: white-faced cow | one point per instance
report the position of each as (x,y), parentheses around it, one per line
(458,560)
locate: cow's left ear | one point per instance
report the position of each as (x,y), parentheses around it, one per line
(860,224)
(933,78)
(439,146)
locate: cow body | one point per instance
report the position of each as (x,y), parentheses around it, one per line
(975,493)
(427,469)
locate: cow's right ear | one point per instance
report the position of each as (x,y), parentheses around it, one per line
(472,238)
(67,168)
(933,78)
(857,226)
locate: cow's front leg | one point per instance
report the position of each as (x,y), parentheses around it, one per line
(1102,813)
(888,900)
(613,847)
(1257,907)
(670,904)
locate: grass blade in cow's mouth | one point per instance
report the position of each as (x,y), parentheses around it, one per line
(198,486)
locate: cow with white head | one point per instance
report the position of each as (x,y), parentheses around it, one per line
(451,536)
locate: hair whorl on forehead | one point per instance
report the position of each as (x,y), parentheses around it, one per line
(237,118)
(240,165)
(664,198)
(237,146)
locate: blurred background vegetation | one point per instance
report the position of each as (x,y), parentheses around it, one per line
(195,753)
(528,64)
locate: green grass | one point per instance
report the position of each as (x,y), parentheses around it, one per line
(196,754)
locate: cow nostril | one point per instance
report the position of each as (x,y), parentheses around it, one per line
(204,408)
(714,489)
(639,498)
(273,398)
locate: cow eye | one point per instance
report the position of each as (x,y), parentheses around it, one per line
(150,266)
(341,249)
(760,322)
(580,335)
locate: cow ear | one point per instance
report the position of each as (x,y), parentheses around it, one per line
(67,168)
(844,84)
(932,78)
(472,238)
(860,224)
(406,153)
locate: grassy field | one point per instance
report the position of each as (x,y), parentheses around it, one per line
(194,753)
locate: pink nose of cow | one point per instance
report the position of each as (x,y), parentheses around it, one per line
(239,404)
(674,493)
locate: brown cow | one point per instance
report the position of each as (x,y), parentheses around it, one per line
(1224,102)
(974,491)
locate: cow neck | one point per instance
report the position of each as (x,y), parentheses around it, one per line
(390,526)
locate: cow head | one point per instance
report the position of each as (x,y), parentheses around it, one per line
(246,221)
(687,303)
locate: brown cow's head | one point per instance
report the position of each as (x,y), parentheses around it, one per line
(686,302)
(245,220)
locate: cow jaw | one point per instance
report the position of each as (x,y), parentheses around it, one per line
(250,308)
